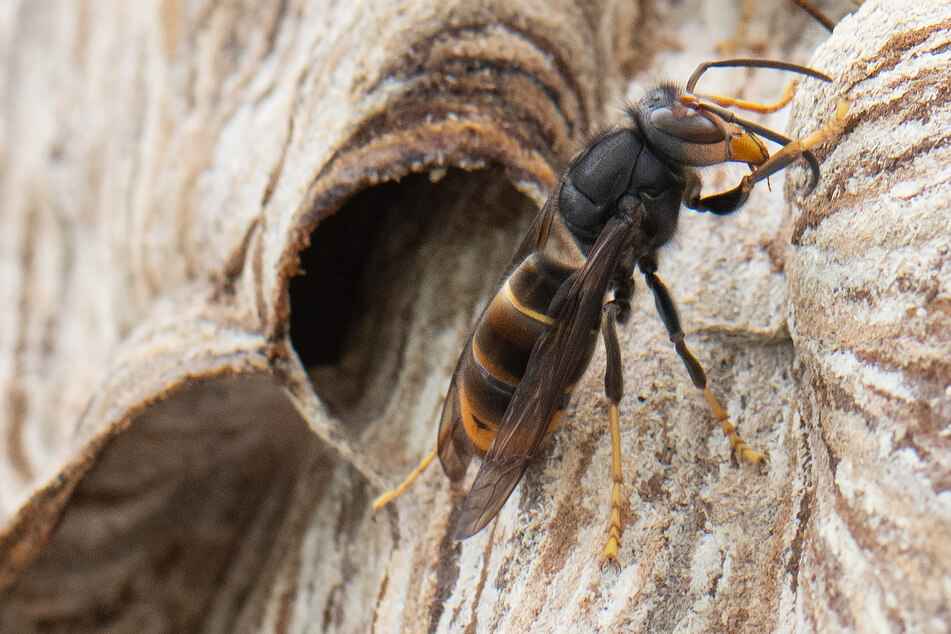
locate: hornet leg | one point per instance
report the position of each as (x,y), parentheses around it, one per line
(614,389)
(392,494)
(668,314)
(793,149)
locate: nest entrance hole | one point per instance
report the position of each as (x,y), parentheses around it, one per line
(393,281)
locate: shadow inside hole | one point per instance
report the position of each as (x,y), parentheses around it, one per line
(393,281)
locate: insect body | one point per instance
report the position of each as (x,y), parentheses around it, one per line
(616,205)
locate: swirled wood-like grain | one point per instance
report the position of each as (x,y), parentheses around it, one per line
(168,462)
(870,284)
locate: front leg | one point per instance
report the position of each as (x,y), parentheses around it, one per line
(793,149)
(668,314)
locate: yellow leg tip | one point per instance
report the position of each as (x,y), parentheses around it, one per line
(831,129)
(609,557)
(388,496)
(744,453)
(842,109)
(756,459)
(380,502)
(741,450)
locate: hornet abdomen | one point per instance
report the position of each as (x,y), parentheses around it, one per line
(501,346)
(497,355)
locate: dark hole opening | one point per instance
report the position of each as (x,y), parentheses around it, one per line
(398,267)
(335,265)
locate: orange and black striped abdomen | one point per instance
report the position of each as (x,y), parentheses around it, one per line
(501,346)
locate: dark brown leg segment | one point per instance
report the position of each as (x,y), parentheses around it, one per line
(668,314)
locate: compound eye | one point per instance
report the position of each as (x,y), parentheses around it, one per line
(690,127)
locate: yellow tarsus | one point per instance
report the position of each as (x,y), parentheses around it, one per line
(613,543)
(831,129)
(741,450)
(392,494)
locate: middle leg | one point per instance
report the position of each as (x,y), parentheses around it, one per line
(668,314)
